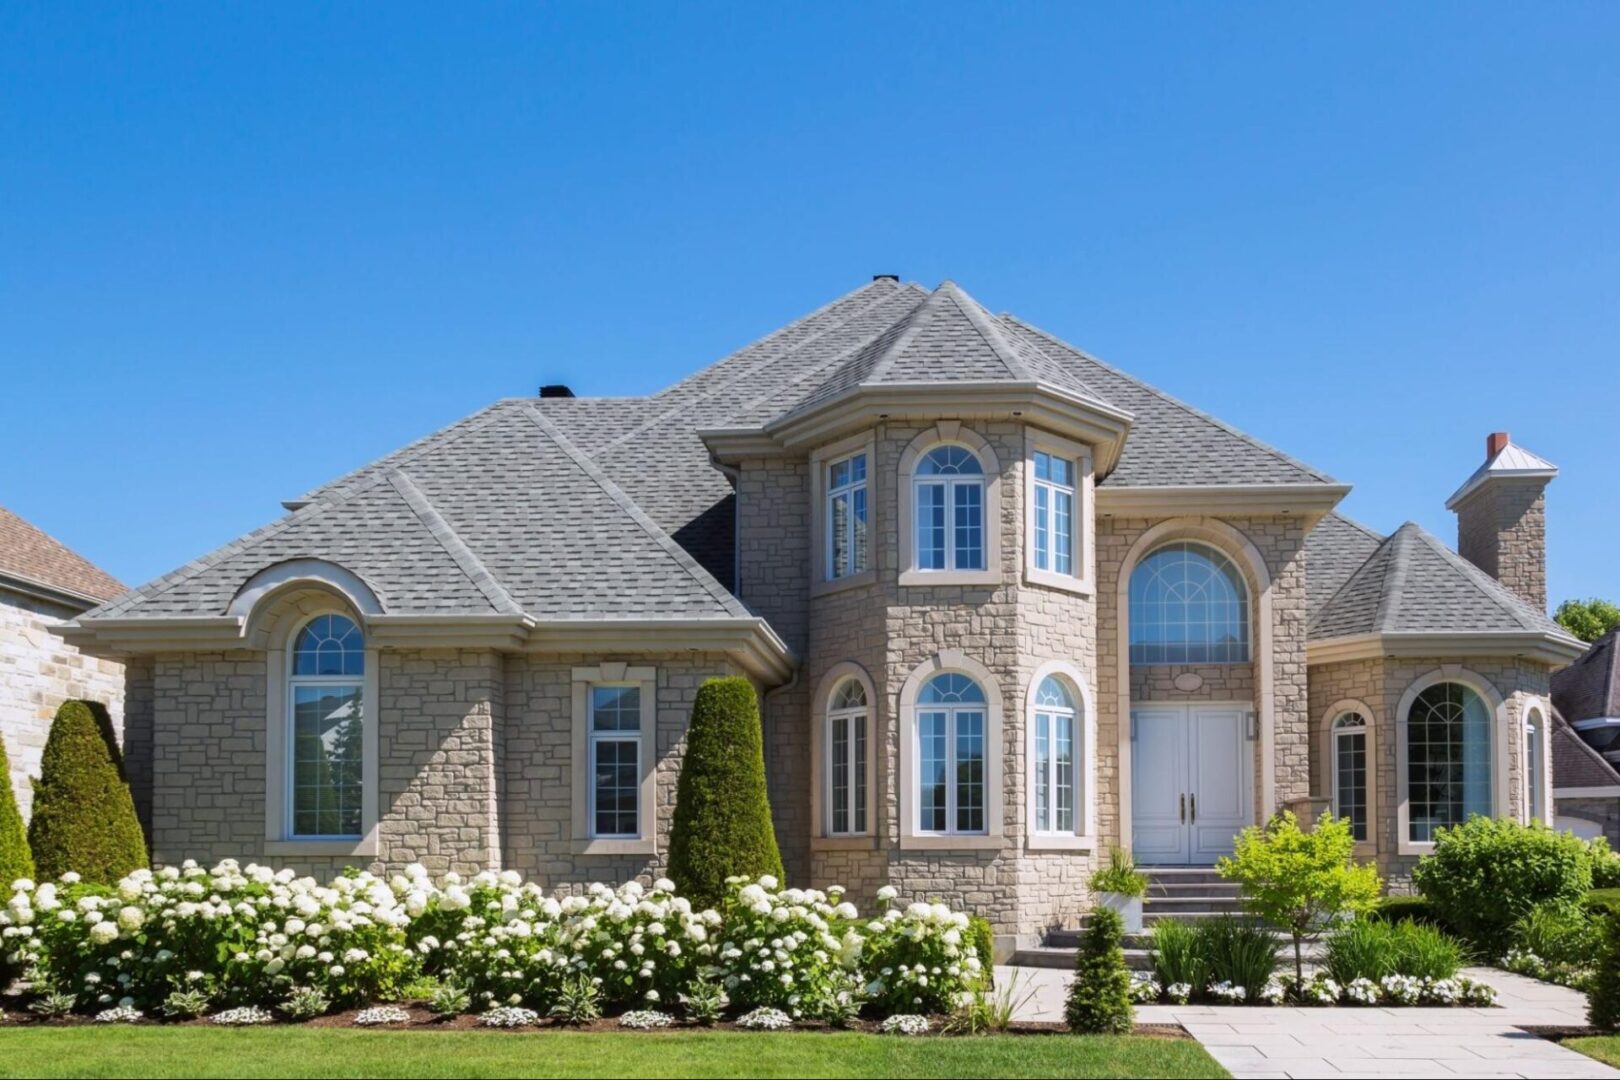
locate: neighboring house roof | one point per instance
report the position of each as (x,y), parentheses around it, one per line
(1590,687)
(1577,764)
(36,561)
(1334,550)
(1413,585)
(1508,462)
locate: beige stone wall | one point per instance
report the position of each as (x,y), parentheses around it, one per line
(1502,529)
(38,671)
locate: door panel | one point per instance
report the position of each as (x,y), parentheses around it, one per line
(1158,785)
(1220,770)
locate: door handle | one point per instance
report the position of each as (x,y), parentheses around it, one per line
(1195,809)
(1184,808)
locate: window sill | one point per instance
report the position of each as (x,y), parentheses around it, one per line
(364,846)
(843,843)
(615,847)
(1059,842)
(950,577)
(1413,847)
(1050,579)
(946,842)
(838,585)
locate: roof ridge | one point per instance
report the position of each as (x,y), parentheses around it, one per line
(682,406)
(1368,531)
(465,558)
(1327,605)
(682,557)
(1473,575)
(1392,596)
(1171,399)
(983,322)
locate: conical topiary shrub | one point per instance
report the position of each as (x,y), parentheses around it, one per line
(1100,997)
(15,860)
(722,821)
(84,817)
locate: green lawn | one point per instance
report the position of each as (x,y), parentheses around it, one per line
(1606,1048)
(338,1052)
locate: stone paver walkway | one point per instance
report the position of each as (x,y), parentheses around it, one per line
(1257,1041)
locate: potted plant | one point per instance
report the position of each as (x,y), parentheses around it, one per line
(1119,887)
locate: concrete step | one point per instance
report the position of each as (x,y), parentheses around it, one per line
(1190,905)
(1183,874)
(1046,956)
(1192,888)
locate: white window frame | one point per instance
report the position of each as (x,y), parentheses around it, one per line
(1083,837)
(1538,801)
(1337,732)
(857,543)
(595,737)
(279,741)
(856,719)
(911,834)
(1083,529)
(585,840)
(1500,730)
(821,461)
(950,433)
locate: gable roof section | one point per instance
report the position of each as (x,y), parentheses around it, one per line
(1576,764)
(34,560)
(1590,687)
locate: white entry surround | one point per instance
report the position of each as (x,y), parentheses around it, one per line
(1192,786)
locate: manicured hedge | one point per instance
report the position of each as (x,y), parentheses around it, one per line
(84,816)
(15,859)
(722,823)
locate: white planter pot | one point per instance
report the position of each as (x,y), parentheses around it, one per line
(1128,907)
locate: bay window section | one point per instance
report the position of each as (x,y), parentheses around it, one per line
(951,796)
(1054,758)
(948,495)
(1448,759)
(1054,514)
(847,517)
(1349,767)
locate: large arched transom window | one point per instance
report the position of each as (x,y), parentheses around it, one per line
(848,745)
(1349,766)
(1056,749)
(1188,605)
(1448,759)
(948,489)
(951,747)
(326,717)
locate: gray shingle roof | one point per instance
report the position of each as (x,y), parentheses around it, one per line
(1590,687)
(1414,584)
(1334,550)
(1577,764)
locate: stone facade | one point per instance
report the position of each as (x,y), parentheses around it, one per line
(1502,529)
(38,671)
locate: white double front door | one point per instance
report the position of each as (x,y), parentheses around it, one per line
(1191,782)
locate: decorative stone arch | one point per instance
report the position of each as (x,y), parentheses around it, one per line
(950,433)
(1541,709)
(820,840)
(291,592)
(1329,746)
(951,660)
(1085,803)
(1233,543)
(1502,800)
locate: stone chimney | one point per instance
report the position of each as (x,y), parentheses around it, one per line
(1502,517)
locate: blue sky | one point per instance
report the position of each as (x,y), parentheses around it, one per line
(243,250)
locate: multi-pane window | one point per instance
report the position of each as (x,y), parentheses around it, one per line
(1055,501)
(1535,732)
(951,755)
(1448,759)
(1055,747)
(847,749)
(846,517)
(949,502)
(615,761)
(1188,606)
(1350,772)
(328,728)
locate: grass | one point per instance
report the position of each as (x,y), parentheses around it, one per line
(1606,1048)
(338,1052)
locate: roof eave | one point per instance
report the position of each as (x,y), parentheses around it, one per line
(1310,501)
(1548,648)
(1484,476)
(44,590)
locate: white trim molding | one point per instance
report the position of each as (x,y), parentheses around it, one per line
(1084,538)
(821,459)
(1547,648)
(821,835)
(584,840)
(951,660)
(1329,737)
(1501,734)
(949,433)
(1546,813)
(1084,837)
(1610,791)
(1310,501)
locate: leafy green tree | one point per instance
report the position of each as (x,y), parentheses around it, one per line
(722,824)
(15,859)
(1298,881)
(84,816)
(1588,619)
(1099,1001)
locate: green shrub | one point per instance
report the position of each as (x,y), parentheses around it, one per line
(1485,875)
(1099,1000)
(1394,909)
(1238,952)
(1601,902)
(1605,864)
(1423,951)
(722,823)
(1120,876)
(84,817)
(15,859)
(983,937)
(1559,935)
(1364,949)
(1178,956)
(1603,992)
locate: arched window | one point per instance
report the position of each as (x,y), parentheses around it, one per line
(948,491)
(324,695)
(1535,764)
(951,751)
(848,745)
(1056,735)
(1188,605)
(1349,769)
(1448,759)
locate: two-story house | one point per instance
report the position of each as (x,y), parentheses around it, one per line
(1006,606)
